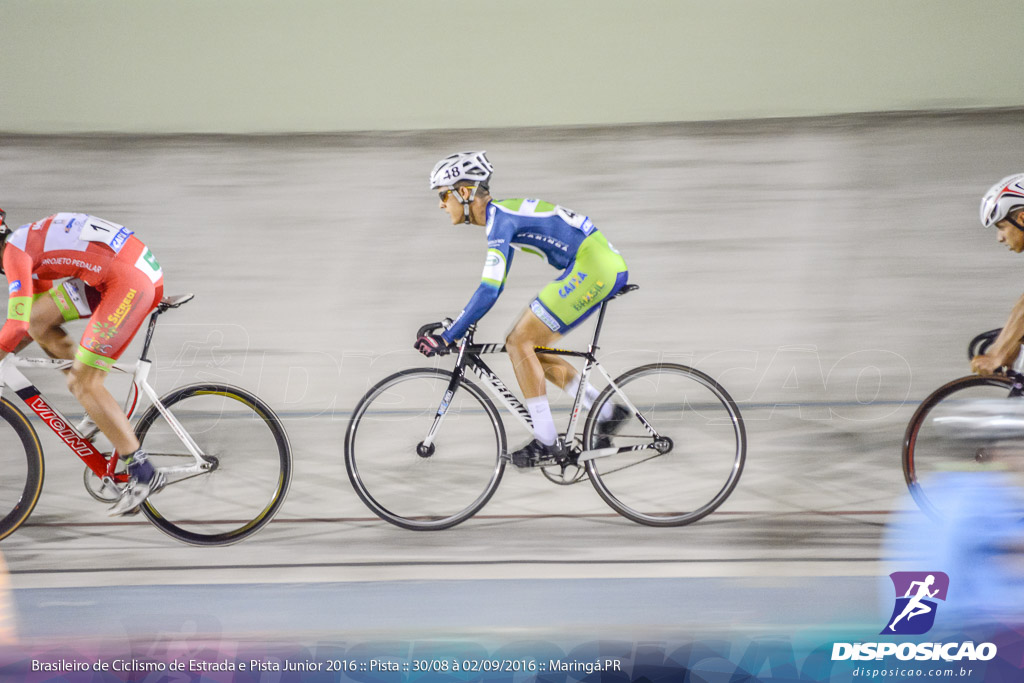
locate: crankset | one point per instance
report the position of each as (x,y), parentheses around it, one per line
(104,490)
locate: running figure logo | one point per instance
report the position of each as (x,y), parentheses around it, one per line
(916,592)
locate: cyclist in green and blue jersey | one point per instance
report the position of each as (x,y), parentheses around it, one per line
(592,270)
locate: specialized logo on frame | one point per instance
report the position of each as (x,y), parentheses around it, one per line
(916,605)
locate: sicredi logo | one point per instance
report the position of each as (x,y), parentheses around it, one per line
(916,606)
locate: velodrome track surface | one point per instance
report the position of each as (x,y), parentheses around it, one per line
(828,272)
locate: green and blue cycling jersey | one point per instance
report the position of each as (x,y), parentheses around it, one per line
(592,269)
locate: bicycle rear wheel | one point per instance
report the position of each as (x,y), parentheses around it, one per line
(245,440)
(947,437)
(702,443)
(21,460)
(422,487)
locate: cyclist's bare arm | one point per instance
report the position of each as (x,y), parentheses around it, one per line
(1006,346)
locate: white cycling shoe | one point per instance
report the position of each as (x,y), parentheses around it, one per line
(145,481)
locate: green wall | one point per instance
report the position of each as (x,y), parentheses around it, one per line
(254,66)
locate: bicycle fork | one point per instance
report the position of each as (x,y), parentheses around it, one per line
(425,448)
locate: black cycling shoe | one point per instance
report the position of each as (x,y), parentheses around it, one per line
(536,454)
(606,429)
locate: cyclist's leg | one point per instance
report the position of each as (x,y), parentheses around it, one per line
(86,383)
(126,300)
(65,302)
(562,374)
(527,334)
(597,273)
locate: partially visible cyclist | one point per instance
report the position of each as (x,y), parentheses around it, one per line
(1003,207)
(592,271)
(116,281)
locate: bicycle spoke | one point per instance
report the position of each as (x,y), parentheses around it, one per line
(606,472)
(700,447)
(417,485)
(246,481)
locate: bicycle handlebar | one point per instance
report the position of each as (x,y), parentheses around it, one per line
(980,344)
(429,328)
(441,325)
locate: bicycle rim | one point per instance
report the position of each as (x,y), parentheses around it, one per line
(248,485)
(431,491)
(943,454)
(707,440)
(21,458)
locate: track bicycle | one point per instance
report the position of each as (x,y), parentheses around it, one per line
(963,426)
(426,448)
(223,451)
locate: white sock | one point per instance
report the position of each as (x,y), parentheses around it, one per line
(543,423)
(589,396)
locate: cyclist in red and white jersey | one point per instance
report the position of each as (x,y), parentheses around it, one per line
(117,282)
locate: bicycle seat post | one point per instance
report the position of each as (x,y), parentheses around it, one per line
(149,333)
(600,322)
(626,289)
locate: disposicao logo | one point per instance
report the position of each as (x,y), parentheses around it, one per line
(915,608)
(913,614)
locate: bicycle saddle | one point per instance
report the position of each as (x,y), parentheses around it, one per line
(175,301)
(625,290)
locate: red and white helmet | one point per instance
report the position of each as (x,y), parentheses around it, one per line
(471,167)
(1001,199)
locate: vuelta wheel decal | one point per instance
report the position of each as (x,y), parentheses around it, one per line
(39,449)
(280,478)
(227,394)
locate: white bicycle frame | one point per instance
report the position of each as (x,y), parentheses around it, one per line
(72,436)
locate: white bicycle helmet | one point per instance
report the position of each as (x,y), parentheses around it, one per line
(1001,199)
(469,167)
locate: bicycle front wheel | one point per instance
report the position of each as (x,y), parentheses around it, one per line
(21,458)
(954,432)
(252,464)
(692,464)
(416,485)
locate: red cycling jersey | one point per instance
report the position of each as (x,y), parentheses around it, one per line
(104,255)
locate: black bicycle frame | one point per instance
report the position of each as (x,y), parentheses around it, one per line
(469,356)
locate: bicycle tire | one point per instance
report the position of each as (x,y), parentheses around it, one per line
(210,508)
(927,450)
(17,499)
(424,492)
(700,419)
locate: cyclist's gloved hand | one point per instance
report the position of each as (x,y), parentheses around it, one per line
(432,345)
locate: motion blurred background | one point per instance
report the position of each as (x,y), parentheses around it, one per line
(794,185)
